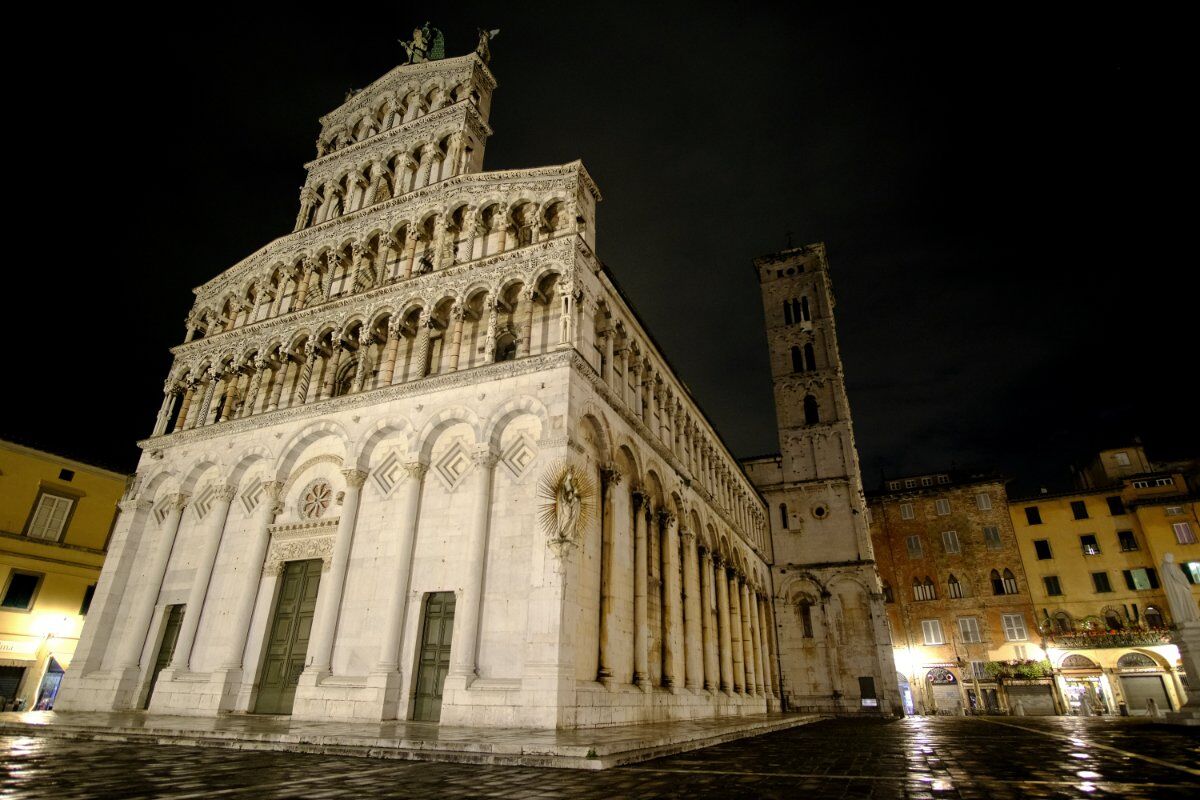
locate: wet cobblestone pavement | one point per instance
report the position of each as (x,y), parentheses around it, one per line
(911,758)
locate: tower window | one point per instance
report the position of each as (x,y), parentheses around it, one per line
(797,360)
(787,312)
(806,619)
(805,315)
(810,357)
(812,414)
(783,516)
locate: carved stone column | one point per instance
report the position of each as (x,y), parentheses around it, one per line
(170,393)
(329,599)
(389,646)
(725,638)
(388,369)
(669,553)
(411,237)
(464,648)
(490,343)
(189,395)
(377,171)
(747,638)
(209,386)
(610,478)
(692,637)
(329,377)
(254,384)
(641,654)
(735,631)
(210,543)
(421,353)
(456,332)
(530,295)
(365,340)
(248,573)
(425,167)
(279,373)
(712,677)
(142,610)
(764,646)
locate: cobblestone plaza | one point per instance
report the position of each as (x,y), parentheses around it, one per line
(912,758)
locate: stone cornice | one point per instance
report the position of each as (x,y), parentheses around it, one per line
(370,397)
(451,280)
(413,130)
(387,214)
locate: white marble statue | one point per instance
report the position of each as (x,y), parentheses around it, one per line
(1179,592)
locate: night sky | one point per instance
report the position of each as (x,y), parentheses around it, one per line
(994,193)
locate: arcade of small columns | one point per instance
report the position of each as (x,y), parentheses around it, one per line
(713,620)
(393,109)
(435,240)
(424,340)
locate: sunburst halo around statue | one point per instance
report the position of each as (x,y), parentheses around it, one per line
(569,494)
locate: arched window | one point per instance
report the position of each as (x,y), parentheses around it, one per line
(1135,661)
(804,313)
(345,379)
(1154,618)
(924,591)
(806,618)
(1010,582)
(787,312)
(506,348)
(997,583)
(812,414)
(918,592)
(810,358)
(955,587)
(1062,623)
(783,516)
(1078,662)
(797,360)
(1112,620)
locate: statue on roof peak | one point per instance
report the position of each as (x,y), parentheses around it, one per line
(427,44)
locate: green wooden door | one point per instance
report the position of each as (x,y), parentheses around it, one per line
(436,630)
(167,649)
(287,637)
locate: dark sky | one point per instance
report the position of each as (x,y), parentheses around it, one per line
(996,194)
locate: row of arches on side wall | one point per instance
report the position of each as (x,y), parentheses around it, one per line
(485,324)
(678,599)
(432,240)
(796,310)
(392,110)
(649,391)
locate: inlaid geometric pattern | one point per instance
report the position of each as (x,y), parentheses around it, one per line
(162,509)
(453,466)
(388,475)
(203,501)
(252,496)
(520,455)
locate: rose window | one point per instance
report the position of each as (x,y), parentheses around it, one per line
(316,500)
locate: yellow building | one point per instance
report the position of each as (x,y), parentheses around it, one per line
(55,518)
(1093,557)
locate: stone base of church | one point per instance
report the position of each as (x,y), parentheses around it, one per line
(102,690)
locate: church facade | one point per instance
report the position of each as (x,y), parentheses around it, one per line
(419,459)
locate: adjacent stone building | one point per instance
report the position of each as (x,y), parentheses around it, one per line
(957,597)
(835,652)
(420,459)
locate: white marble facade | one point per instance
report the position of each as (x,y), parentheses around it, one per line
(383,389)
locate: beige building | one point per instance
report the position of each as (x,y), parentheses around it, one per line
(1094,557)
(55,518)
(420,459)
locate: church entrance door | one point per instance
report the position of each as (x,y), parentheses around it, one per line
(287,637)
(437,628)
(166,650)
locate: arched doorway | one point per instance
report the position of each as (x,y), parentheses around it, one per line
(943,689)
(906,695)
(1142,683)
(1084,690)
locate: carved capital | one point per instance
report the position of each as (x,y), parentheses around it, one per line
(416,469)
(610,475)
(272,491)
(687,534)
(666,518)
(224,493)
(178,501)
(355,478)
(484,456)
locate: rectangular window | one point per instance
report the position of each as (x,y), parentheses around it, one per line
(21,590)
(1089,544)
(49,517)
(1042,548)
(1127,541)
(1184,533)
(1079,509)
(1100,580)
(1122,458)
(914,546)
(1174,511)
(1141,578)
(932,629)
(1141,484)
(927,481)
(950,541)
(906,511)
(910,483)
(983,501)
(991,535)
(894,485)
(1164,482)
(969,628)
(88,593)
(943,507)
(1053,589)
(1019,652)
(979,670)
(1014,627)
(943,478)
(1115,506)
(1032,515)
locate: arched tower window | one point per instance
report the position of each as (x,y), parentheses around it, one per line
(810,358)
(1010,582)
(954,587)
(806,618)
(797,360)
(997,582)
(783,516)
(812,414)
(805,315)
(506,347)
(787,312)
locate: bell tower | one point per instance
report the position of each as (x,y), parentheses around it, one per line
(834,644)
